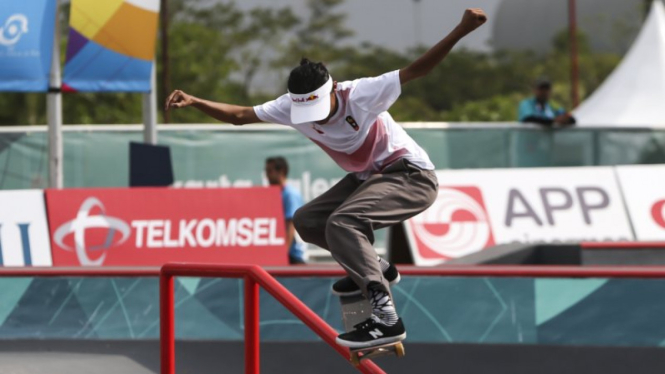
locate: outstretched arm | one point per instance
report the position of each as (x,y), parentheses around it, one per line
(237,115)
(472,19)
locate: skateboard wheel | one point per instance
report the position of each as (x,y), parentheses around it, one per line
(355,359)
(399,350)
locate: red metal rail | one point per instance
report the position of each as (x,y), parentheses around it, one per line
(544,271)
(540,271)
(254,276)
(102,272)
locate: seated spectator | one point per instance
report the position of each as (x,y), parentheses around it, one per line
(540,110)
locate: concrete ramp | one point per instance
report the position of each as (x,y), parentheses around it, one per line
(68,363)
(210,357)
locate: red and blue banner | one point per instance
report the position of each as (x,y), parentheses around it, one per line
(26,44)
(111,45)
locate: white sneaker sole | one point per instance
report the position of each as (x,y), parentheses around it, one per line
(372,343)
(358,292)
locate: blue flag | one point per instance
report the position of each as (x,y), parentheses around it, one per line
(26,44)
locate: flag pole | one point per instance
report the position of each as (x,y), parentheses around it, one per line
(150,104)
(166,68)
(574,60)
(54,110)
(150,109)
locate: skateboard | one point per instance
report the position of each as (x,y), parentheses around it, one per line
(356,309)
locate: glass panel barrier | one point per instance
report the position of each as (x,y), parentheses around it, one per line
(200,156)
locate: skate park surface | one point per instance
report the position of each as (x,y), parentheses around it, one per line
(142,357)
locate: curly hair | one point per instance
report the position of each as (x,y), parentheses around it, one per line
(307,77)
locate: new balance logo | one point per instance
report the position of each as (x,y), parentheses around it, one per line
(375,333)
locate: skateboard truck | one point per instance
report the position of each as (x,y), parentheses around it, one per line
(359,354)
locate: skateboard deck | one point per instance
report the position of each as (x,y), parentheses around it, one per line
(356,309)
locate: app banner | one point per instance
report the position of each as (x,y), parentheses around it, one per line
(26,44)
(23,229)
(644,188)
(477,209)
(111,45)
(153,226)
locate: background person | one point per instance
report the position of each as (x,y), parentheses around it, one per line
(277,171)
(539,109)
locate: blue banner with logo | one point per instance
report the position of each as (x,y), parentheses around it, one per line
(26,44)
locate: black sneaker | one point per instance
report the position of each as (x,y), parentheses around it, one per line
(347,287)
(372,333)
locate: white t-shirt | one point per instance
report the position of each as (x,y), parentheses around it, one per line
(362,137)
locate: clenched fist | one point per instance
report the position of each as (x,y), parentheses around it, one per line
(179,99)
(473,18)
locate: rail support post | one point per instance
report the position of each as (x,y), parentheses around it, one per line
(167,323)
(251,326)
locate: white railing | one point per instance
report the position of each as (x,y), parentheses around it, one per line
(265,127)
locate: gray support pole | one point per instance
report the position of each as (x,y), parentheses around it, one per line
(54,112)
(150,110)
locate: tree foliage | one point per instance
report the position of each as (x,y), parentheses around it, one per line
(223,53)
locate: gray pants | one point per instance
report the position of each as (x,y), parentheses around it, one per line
(344,218)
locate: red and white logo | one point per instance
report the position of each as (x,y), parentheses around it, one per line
(658,213)
(135,227)
(456,224)
(86,219)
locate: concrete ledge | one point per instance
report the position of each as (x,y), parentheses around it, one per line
(279,358)
(562,254)
(68,363)
(524,254)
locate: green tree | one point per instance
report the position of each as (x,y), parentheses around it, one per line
(320,36)
(217,50)
(220,52)
(499,108)
(22,108)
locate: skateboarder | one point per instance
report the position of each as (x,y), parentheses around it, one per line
(391,178)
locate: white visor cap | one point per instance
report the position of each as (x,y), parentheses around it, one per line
(313,106)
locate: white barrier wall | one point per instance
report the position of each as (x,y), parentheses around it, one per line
(477,209)
(644,188)
(24,237)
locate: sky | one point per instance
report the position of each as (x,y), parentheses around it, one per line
(392,22)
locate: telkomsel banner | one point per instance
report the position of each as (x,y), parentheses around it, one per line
(150,226)
(111,45)
(26,44)
(644,188)
(23,229)
(477,209)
